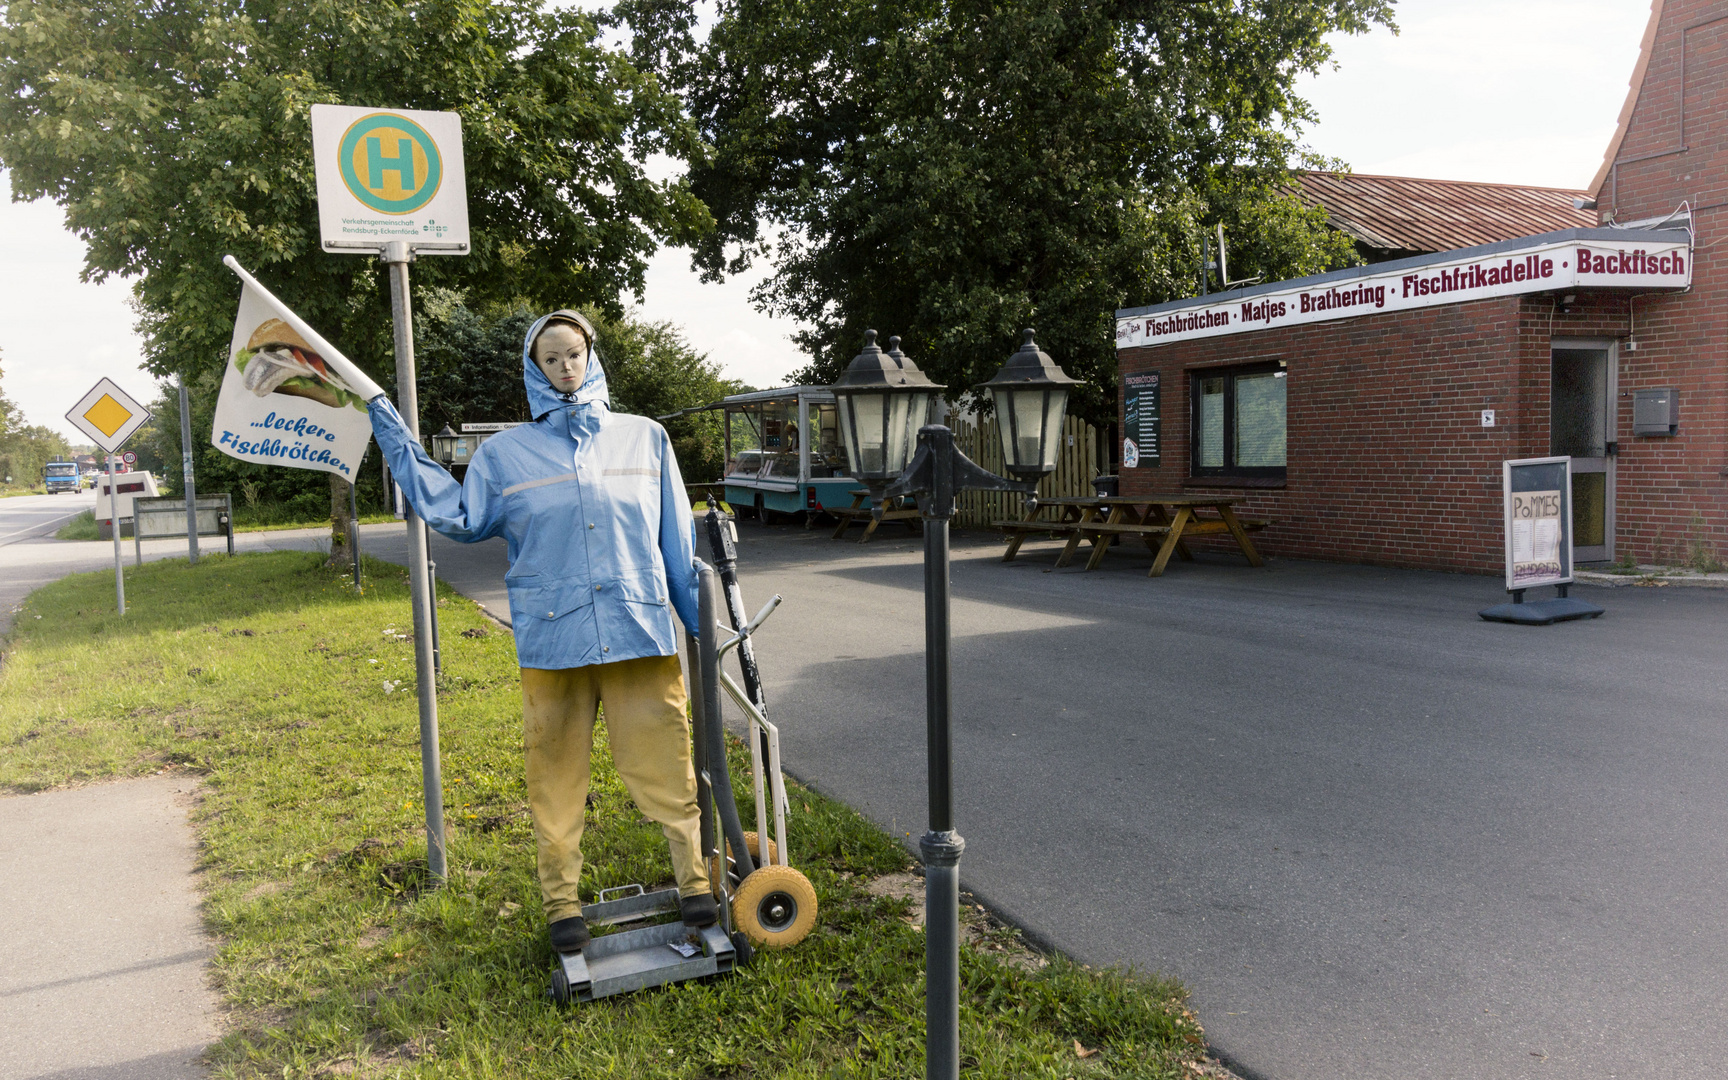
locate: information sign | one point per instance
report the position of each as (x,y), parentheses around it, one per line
(1538,514)
(109,415)
(389,174)
(1142,418)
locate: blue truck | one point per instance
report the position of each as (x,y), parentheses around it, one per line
(58,476)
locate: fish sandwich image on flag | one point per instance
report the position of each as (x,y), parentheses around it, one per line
(288,396)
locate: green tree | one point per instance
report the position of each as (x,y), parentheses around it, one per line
(25,447)
(470,364)
(955,170)
(653,371)
(472,370)
(176,131)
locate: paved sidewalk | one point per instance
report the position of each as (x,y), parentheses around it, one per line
(102,958)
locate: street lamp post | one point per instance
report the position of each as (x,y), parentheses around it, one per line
(444,446)
(1031,397)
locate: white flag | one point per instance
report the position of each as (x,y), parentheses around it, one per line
(284,404)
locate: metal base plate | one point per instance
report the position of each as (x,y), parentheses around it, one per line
(641,905)
(637,959)
(1542,612)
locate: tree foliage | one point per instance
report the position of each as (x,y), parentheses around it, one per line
(173,132)
(954,170)
(25,447)
(176,131)
(472,370)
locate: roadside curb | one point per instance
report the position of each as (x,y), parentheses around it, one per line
(1653,578)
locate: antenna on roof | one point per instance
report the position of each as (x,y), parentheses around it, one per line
(1224,267)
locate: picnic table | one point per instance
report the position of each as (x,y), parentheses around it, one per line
(902,509)
(1168,519)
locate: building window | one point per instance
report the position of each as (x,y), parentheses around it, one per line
(1238,426)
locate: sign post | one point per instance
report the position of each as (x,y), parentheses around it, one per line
(391,183)
(189,489)
(109,415)
(1537,513)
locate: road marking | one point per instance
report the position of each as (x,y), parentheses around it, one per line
(6,538)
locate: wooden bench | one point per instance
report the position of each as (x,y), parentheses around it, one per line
(1103,520)
(901,509)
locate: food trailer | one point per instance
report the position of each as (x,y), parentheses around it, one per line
(784,454)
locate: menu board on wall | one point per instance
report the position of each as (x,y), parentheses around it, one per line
(1141,420)
(1538,515)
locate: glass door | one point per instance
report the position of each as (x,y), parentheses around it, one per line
(1581,425)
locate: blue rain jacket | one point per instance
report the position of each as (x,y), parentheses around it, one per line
(592,506)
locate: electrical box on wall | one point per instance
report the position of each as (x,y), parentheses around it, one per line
(1656,411)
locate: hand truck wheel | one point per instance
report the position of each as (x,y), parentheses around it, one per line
(775,907)
(753,844)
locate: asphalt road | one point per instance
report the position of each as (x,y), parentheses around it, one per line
(1376,836)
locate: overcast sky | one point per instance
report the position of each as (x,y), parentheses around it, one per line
(1512,91)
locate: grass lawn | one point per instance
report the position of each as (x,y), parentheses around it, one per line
(270,678)
(246,519)
(82,527)
(280,516)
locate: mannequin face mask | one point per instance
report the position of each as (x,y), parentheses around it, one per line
(562,353)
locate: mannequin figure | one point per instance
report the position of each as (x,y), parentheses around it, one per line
(601,548)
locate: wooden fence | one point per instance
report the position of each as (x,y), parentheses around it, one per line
(1075,467)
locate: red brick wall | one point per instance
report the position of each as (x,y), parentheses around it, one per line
(1672,492)
(1388,461)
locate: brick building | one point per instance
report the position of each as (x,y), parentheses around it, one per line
(1367,411)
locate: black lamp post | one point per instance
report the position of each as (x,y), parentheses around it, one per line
(444,446)
(882,400)
(1031,398)
(1031,395)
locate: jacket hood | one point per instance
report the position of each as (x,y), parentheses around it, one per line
(542,399)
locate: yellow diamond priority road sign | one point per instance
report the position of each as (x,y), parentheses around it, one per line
(109,415)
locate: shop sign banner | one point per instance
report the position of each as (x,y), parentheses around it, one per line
(1591,264)
(282,403)
(389,174)
(1538,512)
(1141,420)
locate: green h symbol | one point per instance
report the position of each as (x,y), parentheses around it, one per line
(377,164)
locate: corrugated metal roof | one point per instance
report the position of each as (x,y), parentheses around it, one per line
(1402,213)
